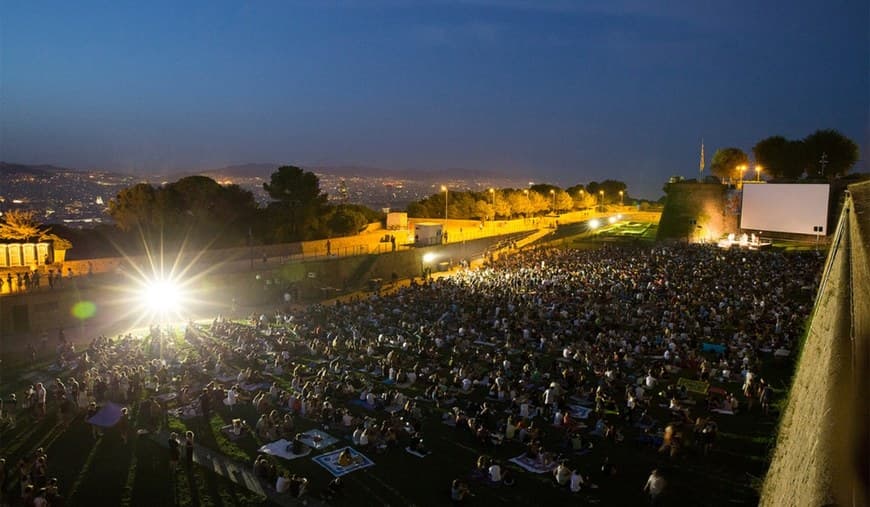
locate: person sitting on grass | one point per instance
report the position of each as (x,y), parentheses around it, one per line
(262,426)
(236,428)
(495,474)
(507,477)
(417,444)
(287,427)
(562,473)
(298,486)
(264,469)
(282,484)
(576,481)
(483,462)
(458,491)
(345,458)
(298,447)
(333,489)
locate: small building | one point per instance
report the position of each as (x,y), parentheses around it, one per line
(428,233)
(397,220)
(16,255)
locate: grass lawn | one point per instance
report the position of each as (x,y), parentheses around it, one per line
(104,471)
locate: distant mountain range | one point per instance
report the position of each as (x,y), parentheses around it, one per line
(265,170)
(35,170)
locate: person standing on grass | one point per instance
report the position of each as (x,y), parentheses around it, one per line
(41,395)
(205,403)
(124,425)
(174,452)
(3,481)
(765,397)
(188,449)
(92,411)
(655,485)
(10,407)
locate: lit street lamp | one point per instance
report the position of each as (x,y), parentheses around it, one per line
(444,189)
(553,195)
(621,198)
(528,202)
(757,173)
(492,192)
(601,199)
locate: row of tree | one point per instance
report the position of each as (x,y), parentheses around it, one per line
(822,154)
(198,210)
(200,213)
(509,203)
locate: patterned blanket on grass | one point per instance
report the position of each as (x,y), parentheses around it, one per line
(531,465)
(329,461)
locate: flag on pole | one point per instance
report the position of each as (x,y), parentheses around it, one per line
(701,165)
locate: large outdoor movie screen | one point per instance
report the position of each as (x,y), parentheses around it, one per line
(795,208)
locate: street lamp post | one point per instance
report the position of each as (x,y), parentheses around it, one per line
(621,198)
(553,195)
(444,189)
(742,169)
(492,193)
(601,200)
(758,173)
(528,202)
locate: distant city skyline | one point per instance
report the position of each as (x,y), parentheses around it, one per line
(549,90)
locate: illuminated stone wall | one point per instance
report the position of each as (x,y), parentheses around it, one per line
(698,212)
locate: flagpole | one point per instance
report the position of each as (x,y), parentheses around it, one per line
(701,165)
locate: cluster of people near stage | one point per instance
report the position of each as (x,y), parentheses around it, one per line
(554,350)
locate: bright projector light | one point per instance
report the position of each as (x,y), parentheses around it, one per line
(612,220)
(429,257)
(594,223)
(161,296)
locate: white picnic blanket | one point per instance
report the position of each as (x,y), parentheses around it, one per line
(282,449)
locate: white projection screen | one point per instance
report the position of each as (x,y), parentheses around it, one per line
(795,208)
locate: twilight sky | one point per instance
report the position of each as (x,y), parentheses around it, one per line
(559,90)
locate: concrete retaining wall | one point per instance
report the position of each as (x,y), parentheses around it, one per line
(822,447)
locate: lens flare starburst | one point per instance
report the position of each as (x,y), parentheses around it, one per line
(161,288)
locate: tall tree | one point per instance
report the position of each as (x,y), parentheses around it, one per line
(136,207)
(207,212)
(829,153)
(297,198)
(502,205)
(346,220)
(726,161)
(795,159)
(20,225)
(564,201)
(771,154)
(539,202)
(612,188)
(519,202)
